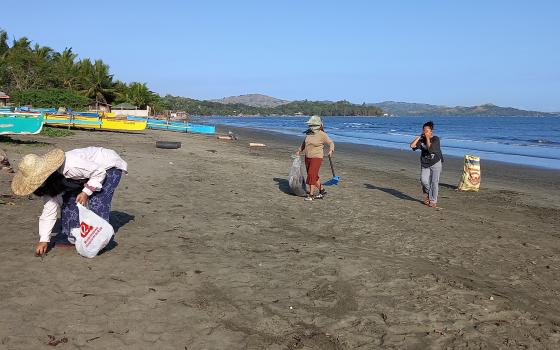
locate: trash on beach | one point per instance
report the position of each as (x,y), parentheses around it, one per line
(296,179)
(54,342)
(470,181)
(229,137)
(254,144)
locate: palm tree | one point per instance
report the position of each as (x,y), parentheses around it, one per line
(22,43)
(3,42)
(20,65)
(44,53)
(135,93)
(66,67)
(138,94)
(96,81)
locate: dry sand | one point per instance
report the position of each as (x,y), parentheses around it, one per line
(213,254)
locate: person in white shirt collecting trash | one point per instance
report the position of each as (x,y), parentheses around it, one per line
(85,176)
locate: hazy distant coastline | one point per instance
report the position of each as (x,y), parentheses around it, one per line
(393,107)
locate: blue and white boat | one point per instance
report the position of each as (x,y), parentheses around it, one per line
(177,126)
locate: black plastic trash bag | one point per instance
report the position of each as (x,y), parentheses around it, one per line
(296,178)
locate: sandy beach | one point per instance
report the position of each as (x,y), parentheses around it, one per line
(213,253)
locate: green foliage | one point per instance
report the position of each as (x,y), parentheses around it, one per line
(49,97)
(66,69)
(55,132)
(341,108)
(95,81)
(37,75)
(25,67)
(197,107)
(137,94)
(3,42)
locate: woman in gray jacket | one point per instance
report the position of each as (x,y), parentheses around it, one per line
(431,160)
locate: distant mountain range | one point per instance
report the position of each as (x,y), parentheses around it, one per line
(396,108)
(253,100)
(404,108)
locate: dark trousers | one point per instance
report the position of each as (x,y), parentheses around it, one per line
(99,202)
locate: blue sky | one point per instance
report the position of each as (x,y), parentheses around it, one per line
(440,52)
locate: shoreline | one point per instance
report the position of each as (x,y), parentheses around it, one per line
(487,155)
(532,181)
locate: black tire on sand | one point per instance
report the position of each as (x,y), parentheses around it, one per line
(168,144)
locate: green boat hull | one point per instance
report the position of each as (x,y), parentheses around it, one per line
(20,123)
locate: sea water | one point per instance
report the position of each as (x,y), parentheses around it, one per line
(533,141)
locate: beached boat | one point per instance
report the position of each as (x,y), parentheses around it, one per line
(65,120)
(20,123)
(167,125)
(177,126)
(122,124)
(202,129)
(94,121)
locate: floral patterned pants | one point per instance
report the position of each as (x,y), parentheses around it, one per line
(99,202)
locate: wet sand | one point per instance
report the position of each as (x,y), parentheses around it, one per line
(214,254)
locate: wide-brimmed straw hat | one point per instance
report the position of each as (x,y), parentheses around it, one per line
(33,170)
(315,120)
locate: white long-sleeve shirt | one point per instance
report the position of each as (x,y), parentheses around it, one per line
(89,163)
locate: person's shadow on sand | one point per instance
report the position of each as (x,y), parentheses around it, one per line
(283,185)
(7,139)
(393,192)
(448,186)
(117,219)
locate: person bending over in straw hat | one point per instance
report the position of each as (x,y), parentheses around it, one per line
(84,175)
(313,146)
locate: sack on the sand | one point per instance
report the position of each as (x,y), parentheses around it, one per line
(470,181)
(94,233)
(296,179)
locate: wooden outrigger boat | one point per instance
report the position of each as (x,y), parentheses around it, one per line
(177,126)
(89,121)
(20,123)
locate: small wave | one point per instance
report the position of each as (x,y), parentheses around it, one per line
(544,142)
